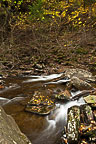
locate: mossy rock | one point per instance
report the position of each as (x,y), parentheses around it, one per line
(64,95)
(73,124)
(91,99)
(40,109)
(40,104)
(39,99)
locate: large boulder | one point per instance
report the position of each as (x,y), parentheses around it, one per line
(79,84)
(80,73)
(9,131)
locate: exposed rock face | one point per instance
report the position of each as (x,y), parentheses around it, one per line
(9,131)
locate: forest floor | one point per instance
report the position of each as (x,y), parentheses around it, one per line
(44,48)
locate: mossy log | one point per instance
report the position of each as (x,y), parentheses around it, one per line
(84,93)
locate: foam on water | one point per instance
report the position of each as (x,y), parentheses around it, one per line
(57,121)
(60,114)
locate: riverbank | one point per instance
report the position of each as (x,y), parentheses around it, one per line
(47,49)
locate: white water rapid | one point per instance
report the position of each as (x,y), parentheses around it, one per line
(60,114)
(56,121)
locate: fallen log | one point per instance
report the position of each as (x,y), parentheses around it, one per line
(82,94)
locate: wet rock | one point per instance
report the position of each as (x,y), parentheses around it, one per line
(40,109)
(86,114)
(79,84)
(63,95)
(81,126)
(88,124)
(73,124)
(9,131)
(91,99)
(40,104)
(80,73)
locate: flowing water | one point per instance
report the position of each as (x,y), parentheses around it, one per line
(39,129)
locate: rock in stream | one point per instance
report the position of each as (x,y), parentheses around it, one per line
(40,104)
(63,95)
(80,73)
(79,84)
(73,125)
(81,126)
(79,78)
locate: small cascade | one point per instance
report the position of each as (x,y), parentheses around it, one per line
(60,114)
(56,121)
(39,129)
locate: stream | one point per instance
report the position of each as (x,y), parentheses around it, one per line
(39,129)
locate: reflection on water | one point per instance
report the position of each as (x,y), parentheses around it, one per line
(39,129)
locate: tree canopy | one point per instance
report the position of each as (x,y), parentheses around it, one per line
(42,10)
